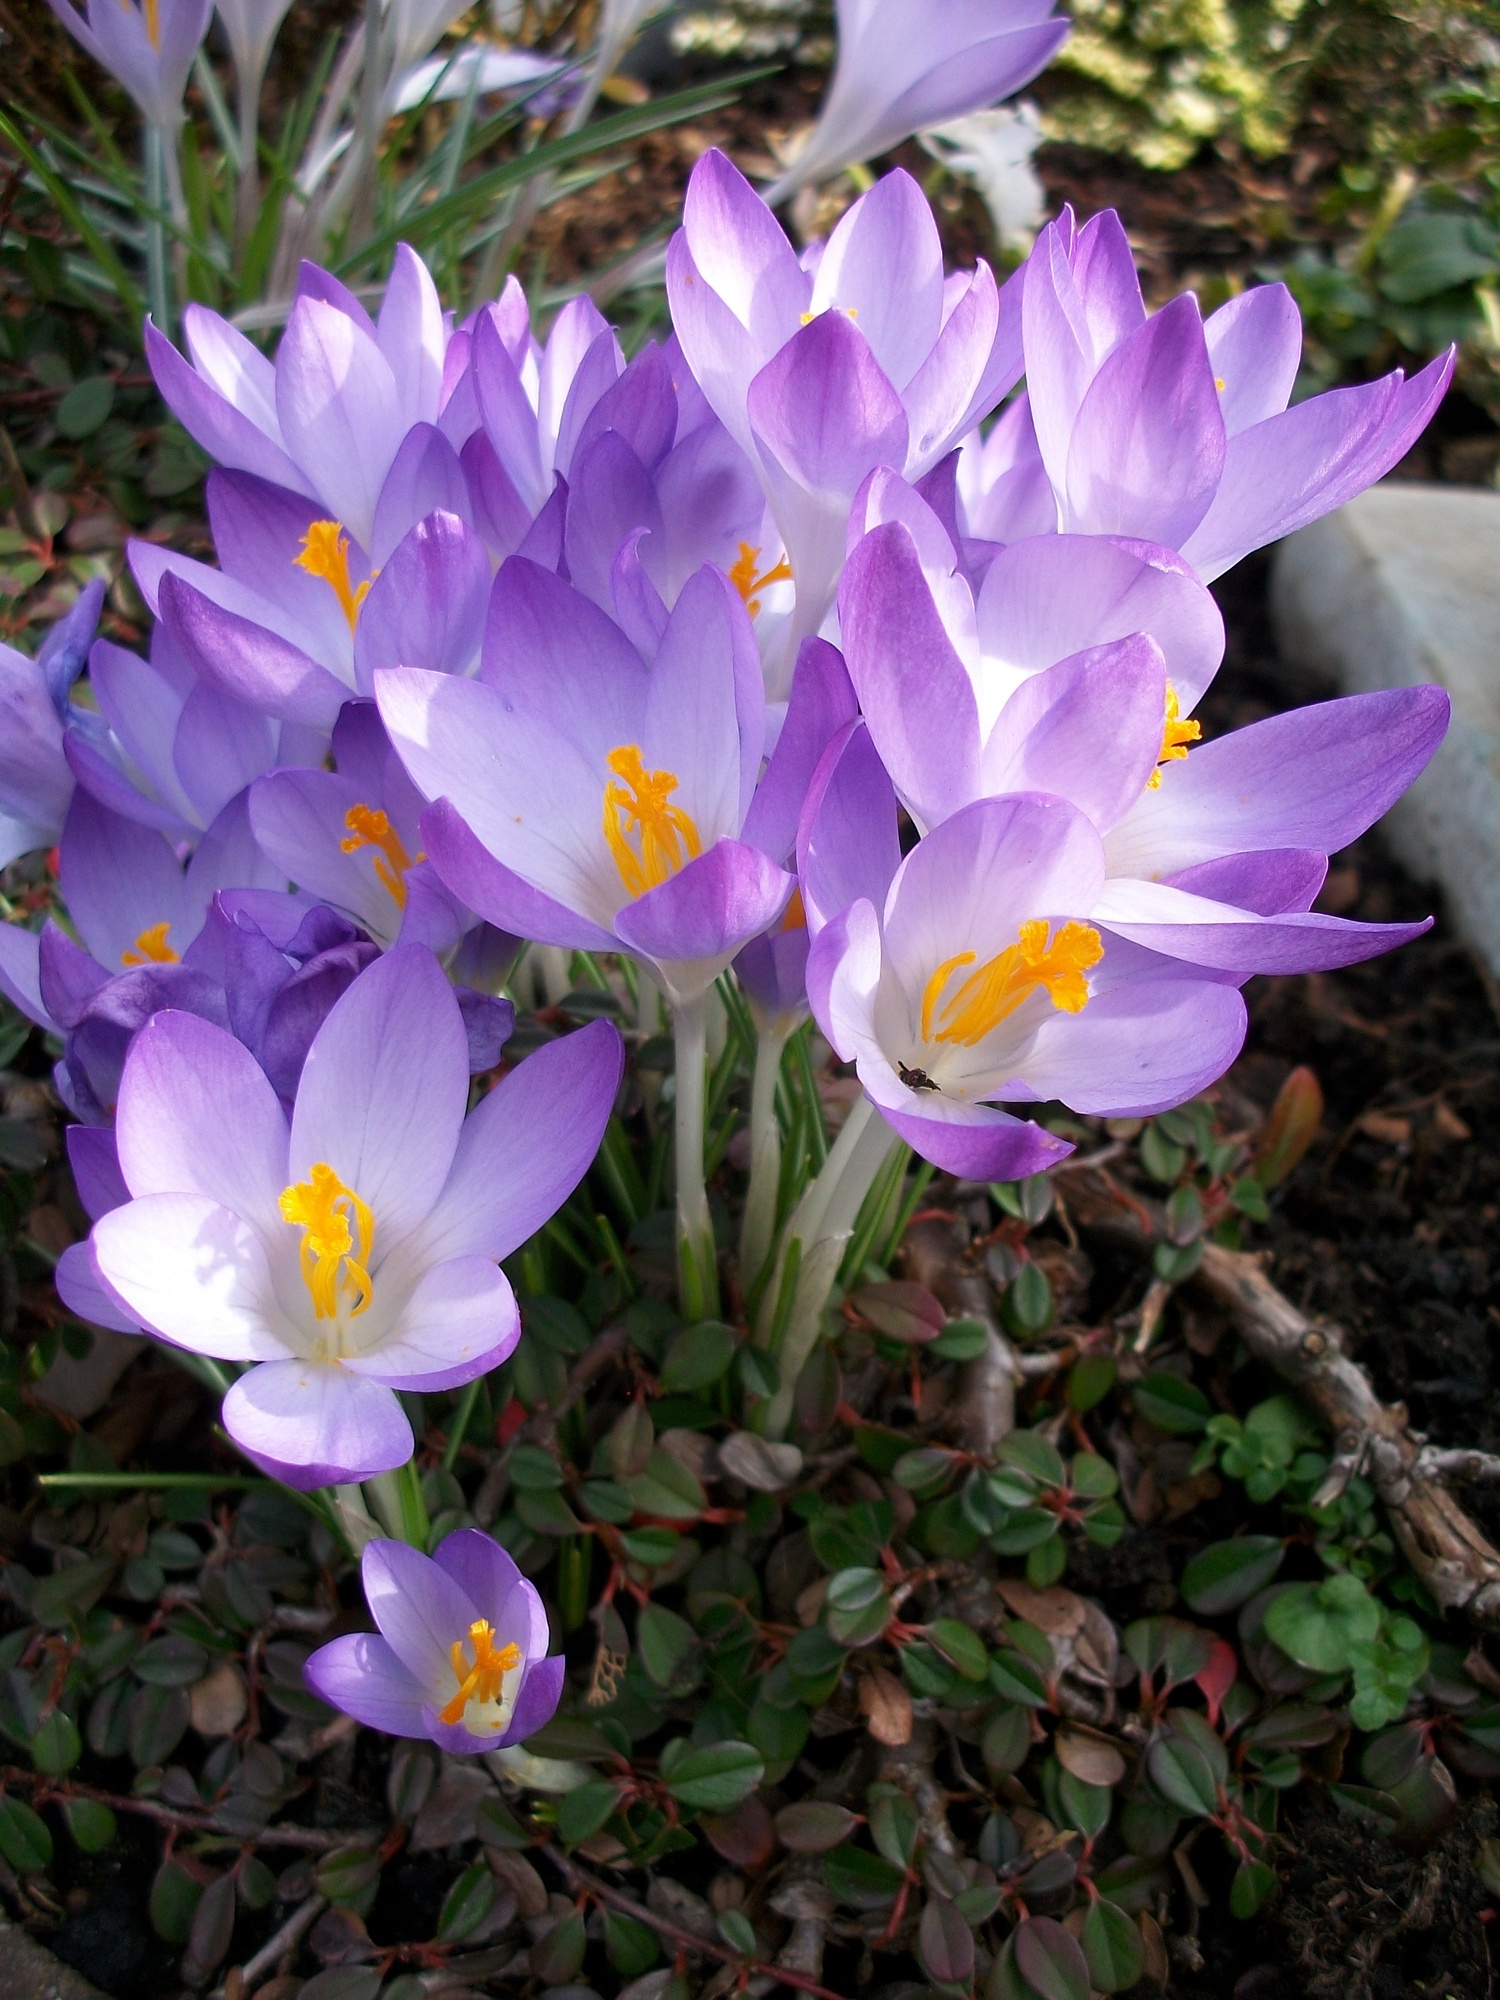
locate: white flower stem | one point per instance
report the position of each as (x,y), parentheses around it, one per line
(247,193)
(396,1498)
(697,1267)
(813,1249)
(759,1223)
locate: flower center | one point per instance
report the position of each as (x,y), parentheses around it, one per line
(649,837)
(1000,985)
(334,1256)
(481,1682)
(1176,735)
(369,827)
(151,948)
(746,582)
(325,554)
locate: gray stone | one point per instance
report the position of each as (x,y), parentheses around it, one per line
(1402,587)
(28,1971)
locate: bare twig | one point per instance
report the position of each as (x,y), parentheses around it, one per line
(1448,1551)
(305,1837)
(281,1944)
(685,1940)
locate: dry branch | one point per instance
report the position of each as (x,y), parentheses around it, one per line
(1447,1550)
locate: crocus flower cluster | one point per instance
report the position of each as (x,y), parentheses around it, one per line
(789,646)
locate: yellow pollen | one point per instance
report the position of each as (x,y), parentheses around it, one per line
(1000,985)
(1219,383)
(481,1682)
(639,809)
(808,318)
(1176,735)
(325,554)
(151,948)
(334,1256)
(746,582)
(369,827)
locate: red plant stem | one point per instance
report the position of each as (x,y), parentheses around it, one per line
(686,1940)
(305,1837)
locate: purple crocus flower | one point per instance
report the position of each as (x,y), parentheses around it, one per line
(330,416)
(971,975)
(132,902)
(298,620)
(35,781)
(1176,430)
(1213,852)
(351,838)
(461,1654)
(589,800)
(906,65)
(824,368)
(167,748)
(355,1252)
(149,48)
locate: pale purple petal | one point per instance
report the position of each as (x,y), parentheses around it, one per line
(227,434)
(704,913)
(888,231)
(822,703)
(193,1272)
(426,477)
(1315,777)
(313,1424)
(1088,729)
(975,1141)
(84,1292)
(94,1157)
(483,1571)
(411,336)
(249,661)
(384,1090)
(1229,939)
(536,1704)
(359,1674)
(459,1321)
(527,1145)
(339,407)
(20,975)
(197,1116)
(1254,346)
(427,607)
(496,892)
(1139,1047)
(848,842)
(1296,467)
(421,1609)
(1147,447)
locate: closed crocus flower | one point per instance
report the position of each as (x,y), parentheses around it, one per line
(461,1653)
(825,367)
(149,48)
(354,1251)
(1176,429)
(905,65)
(1213,851)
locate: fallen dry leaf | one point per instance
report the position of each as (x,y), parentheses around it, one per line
(1091,1759)
(886,1707)
(217,1703)
(1052,1611)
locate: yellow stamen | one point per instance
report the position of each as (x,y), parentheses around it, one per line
(325,555)
(808,318)
(153,22)
(481,1682)
(369,827)
(665,837)
(1219,383)
(333,1255)
(794,917)
(151,948)
(746,582)
(1176,735)
(1000,985)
